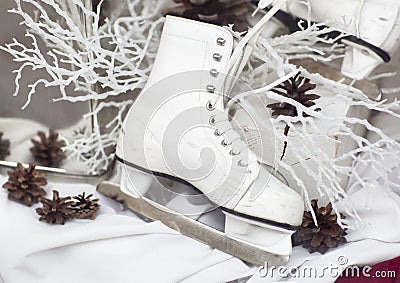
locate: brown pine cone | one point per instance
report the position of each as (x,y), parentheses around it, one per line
(294,88)
(24,184)
(328,234)
(4,147)
(48,151)
(56,211)
(219,12)
(85,207)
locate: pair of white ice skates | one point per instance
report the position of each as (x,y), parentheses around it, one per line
(179,127)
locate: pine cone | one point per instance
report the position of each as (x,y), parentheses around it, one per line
(327,235)
(24,184)
(48,151)
(84,207)
(4,147)
(56,211)
(294,88)
(219,12)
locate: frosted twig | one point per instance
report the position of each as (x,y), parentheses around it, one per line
(87,62)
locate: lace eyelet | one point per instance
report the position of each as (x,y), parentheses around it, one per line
(214,72)
(225,143)
(210,106)
(217,57)
(210,88)
(217,133)
(241,164)
(221,41)
(211,121)
(234,153)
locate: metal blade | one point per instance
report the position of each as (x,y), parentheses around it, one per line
(192,228)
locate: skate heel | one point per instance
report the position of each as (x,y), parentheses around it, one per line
(135,183)
(270,238)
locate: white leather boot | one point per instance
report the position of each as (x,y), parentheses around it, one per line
(373,27)
(178,128)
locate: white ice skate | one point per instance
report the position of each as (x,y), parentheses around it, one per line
(178,128)
(373,28)
(372,31)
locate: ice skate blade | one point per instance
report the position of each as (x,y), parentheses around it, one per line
(271,238)
(191,228)
(135,183)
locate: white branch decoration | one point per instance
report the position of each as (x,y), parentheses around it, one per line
(306,137)
(87,62)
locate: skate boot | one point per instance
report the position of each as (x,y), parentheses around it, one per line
(369,44)
(373,29)
(178,128)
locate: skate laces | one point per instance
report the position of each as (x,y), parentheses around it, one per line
(230,138)
(238,57)
(240,97)
(254,32)
(358,19)
(216,120)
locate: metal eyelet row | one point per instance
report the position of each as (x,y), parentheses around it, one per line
(210,88)
(224,142)
(217,57)
(214,72)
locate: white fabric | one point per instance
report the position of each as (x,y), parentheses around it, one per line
(116,247)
